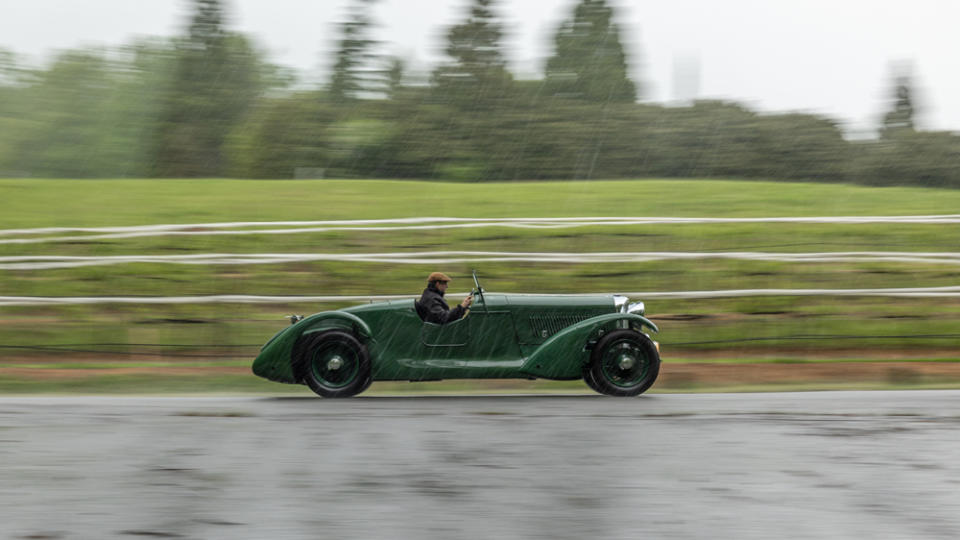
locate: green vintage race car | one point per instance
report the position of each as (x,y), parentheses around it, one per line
(598,338)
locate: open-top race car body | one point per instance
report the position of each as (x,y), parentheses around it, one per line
(599,338)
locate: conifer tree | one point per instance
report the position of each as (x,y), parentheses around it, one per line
(355,73)
(900,118)
(478,72)
(215,80)
(395,74)
(588,62)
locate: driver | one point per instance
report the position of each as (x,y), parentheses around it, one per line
(437,310)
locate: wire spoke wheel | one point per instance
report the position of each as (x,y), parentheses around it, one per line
(336,364)
(623,363)
(333,364)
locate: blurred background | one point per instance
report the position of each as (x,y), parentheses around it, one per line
(500,90)
(740,110)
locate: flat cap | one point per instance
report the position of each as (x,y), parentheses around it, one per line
(438,276)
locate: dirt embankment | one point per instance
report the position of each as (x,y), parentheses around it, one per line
(673,375)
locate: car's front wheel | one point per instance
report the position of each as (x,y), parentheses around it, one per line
(623,363)
(333,364)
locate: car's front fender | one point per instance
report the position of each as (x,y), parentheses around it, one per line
(274,361)
(564,355)
(335,320)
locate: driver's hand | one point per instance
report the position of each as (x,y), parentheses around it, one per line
(467,301)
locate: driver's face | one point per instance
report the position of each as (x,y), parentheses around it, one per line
(442,286)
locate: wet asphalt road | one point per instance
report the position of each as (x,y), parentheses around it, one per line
(811,465)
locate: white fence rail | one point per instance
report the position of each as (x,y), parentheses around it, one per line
(68,234)
(46,262)
(919,292)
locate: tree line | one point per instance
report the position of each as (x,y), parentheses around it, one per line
(208,103)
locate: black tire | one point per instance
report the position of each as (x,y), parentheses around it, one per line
(333,364)
(366,384)
(623,363)
(588,378)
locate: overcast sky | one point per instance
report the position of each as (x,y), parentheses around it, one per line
(832,57)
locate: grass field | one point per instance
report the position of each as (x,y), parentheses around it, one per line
(762,330)
(71,203)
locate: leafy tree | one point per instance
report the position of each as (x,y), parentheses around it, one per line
(802,147)
(414,132)
(215,81)
(69,122)
(477,75)
(588,62)
(281,137)
(912,159)
(11,112)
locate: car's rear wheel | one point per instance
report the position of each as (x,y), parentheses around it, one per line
(333,364)
(623,363)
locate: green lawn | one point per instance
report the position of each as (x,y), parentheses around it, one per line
(66,203)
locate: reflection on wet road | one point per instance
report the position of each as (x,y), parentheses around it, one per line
(811,465)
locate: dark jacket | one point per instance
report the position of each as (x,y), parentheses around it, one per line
(434,308)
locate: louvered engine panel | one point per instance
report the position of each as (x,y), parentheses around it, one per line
(545,326)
